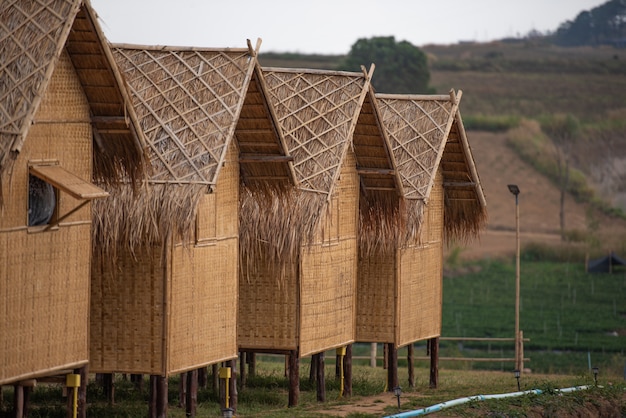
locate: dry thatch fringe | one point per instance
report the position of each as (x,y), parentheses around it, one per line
(463,220)
(133,218)
(274,224)
(120,161)
(386,224)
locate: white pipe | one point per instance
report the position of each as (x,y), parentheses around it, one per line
(455,402)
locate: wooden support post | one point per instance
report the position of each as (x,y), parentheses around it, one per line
(294,378)
(385,355)
(158,397)
(108,386)
(251,364)
(137,380)
(182,390)
(337,366)
(203,378)
(18,401)
(215,383)
(313,370)
(409,358)
(242,369)
(82,391)
(347,372)
(434,362)
(321,380)
(232,389)
(373,349)
(191,401)
(392,367)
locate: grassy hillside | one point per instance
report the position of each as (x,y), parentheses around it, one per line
(563,310)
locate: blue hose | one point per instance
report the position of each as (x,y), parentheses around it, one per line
(455,402)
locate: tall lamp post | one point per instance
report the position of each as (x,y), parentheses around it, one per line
(518,361)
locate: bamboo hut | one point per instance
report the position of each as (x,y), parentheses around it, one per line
(299,244)
(63,122)
(401,243)
(165,275)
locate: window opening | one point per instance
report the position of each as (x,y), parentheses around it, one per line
(42,201)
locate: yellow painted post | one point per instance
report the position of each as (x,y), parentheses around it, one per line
(341,352)
(225,374)
(73,381)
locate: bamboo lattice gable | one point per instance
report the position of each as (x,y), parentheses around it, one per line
(317,112)
(426,133)
(32,35)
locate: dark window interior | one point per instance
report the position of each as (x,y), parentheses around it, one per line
(41,201)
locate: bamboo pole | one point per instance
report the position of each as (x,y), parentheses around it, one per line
(434,362)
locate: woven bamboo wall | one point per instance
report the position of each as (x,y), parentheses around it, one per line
(376,298)
(158,315)
(268,309)
(127,313)
(328,277)
(420,277)
(44,278)
(204,281)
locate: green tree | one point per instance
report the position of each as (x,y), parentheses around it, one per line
(400,66)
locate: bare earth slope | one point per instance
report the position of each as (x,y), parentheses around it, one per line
(498,166)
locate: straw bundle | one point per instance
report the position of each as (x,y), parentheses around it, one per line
(274,224)
(131,219)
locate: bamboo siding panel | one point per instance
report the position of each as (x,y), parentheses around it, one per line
(376,298)
(328,273)
(204,279)
(268,309)
(44,288)
(420,280)
(127,313)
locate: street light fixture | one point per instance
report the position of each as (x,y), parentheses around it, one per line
(518,361)
(397,391)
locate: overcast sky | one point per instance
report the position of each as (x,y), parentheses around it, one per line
(327,26)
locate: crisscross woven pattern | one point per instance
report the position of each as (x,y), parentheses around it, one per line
(316,112)
(417,131)
(187,102)
(31,37)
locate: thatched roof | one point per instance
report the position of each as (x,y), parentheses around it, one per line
(191,104)
(426,132)
(32,35)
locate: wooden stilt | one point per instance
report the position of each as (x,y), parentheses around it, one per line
(434,362)
(252,364)
(385,355)
(157,407)
(242,369)
(392,367)
(28,390)
(108,385)
(203,377)
(191,401)
(216,378)
(321,380)
(152,404)
(232,389)
(373,349)
(82,391)
(294,378)
(18,401)
(182,390)
(337,366)
(161,397)
(137,380)
(409,358)
(347,372)
(313,370)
